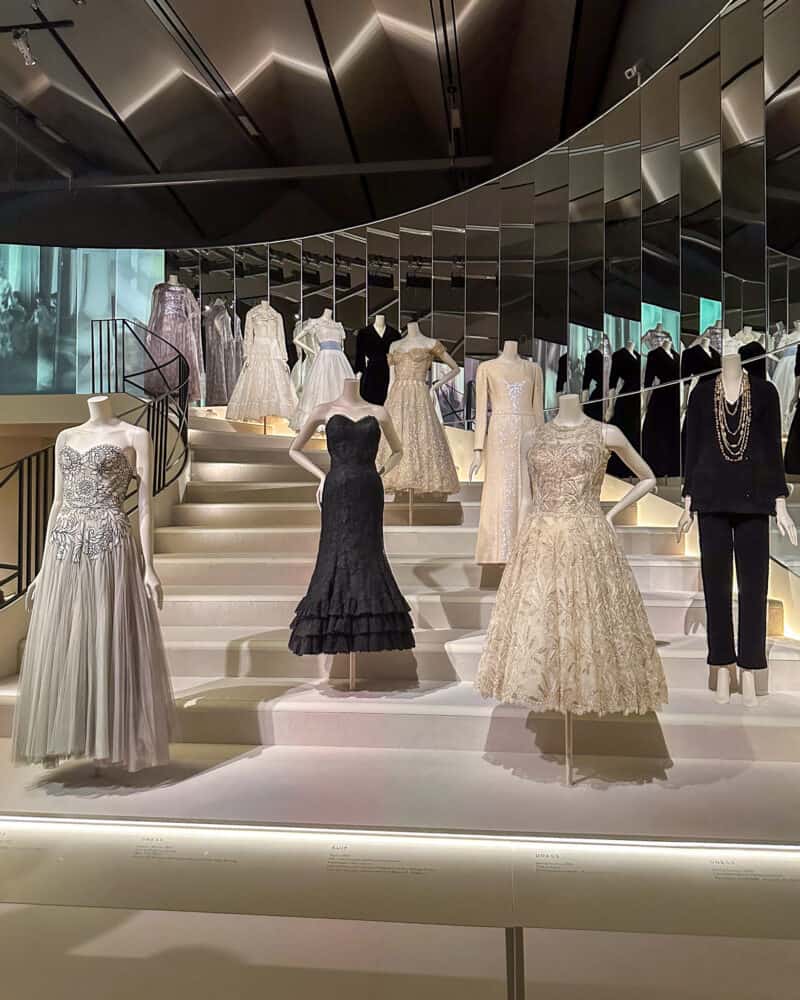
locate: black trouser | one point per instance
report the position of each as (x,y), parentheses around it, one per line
(747,537)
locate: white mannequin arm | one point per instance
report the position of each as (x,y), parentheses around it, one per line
(612,395)
(307,431)
(795,394)
(58,499)
(481,417)
(617,442)
(786,525)
(392,439)
(445,359)
(143,446)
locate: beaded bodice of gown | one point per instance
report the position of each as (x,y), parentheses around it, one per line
(413,363)
(91,518)
(567,465)
(511,387)
(264,333)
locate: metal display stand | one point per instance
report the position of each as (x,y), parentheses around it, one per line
(569,733)
(515,963)
(352,675)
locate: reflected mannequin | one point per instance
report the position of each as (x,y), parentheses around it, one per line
(372,349)
(624,408)
(662,405)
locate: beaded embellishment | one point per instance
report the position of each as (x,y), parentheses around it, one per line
(733,420)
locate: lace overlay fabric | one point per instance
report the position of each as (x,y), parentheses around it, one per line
(569,630)
(427,465)
(264,387)
(91,519)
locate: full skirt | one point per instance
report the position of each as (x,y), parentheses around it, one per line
(264,389)
(506,486)
(569,630)
(94,680)
(322,384)
(427,465)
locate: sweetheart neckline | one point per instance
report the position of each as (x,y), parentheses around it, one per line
(94,447)
(367,416)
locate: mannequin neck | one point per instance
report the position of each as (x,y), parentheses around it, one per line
(413,331)
(264,302)
(570,410)
(100,411)
(379,324)
(666,345)
(796,326)
(350,394)
(327,314)
(510,350)
(732,372)
(173,279)
(630,346)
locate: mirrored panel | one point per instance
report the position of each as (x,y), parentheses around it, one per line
(551,264)
(743,193)
(285,288)
(482,274)
(350,250)
(252,278)
(517,192)
(449,302)
(416,269)
(383,272)
(317,276)
(781,48)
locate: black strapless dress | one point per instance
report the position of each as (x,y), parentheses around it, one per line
(353,603)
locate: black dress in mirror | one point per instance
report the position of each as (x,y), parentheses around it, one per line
(661,436)
(626,380)
(372,350)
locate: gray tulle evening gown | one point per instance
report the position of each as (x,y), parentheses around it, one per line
(94,679)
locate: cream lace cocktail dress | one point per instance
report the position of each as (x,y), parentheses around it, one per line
(569,630)
(427,465)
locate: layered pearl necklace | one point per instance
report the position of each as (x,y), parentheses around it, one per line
(733,419)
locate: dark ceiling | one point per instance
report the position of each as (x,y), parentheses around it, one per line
(203,122)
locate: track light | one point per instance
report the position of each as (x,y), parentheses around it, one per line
(79,3)
(21,42)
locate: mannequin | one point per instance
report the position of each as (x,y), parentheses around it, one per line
(173,279)
(655,336)
(379,324)
(661,405)
(415,339)
(720,485)
(94,681)
(352,602)
(752,352)
(514,387)
(322,340)
(624,406)
(596,370)
(427,465)
(373,344)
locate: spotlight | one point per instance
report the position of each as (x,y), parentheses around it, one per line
(79,3)
(20,41)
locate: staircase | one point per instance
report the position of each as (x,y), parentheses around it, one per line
(238,556)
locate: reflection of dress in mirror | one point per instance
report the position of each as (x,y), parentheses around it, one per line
(594,369)
(698,363)
(752,352)
(625,381)
(786,372)
(561,375)
(514,390)
(427,465)
(219,344)
(655,337)
(264,388)
(324,381)
(661,431)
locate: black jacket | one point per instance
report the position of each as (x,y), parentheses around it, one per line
(747,487)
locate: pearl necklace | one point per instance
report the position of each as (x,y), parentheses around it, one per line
(733,438)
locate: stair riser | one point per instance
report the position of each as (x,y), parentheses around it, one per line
(258,458)
(404,542)
(228,492)
(639,737)
(429,611)
(248,472)
(251,516)
(455,573)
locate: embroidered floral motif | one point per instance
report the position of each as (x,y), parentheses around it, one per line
(91,519)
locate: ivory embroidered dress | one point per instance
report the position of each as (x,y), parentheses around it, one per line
(569,630)
(324,379)
(427,465)
(264,388)
(94,679)
(514,391)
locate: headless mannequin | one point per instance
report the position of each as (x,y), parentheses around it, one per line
(732,372)
(510,354)
(379,324)
(351,405)
(666,346)
(605,348)
(173,279)
(101,428)
(415,339)
(630,347)
(304,341)
(703,341)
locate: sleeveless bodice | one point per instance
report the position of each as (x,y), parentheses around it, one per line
(95,484)
(352,442)
(566,466)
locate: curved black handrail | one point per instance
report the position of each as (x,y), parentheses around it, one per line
(129,358)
